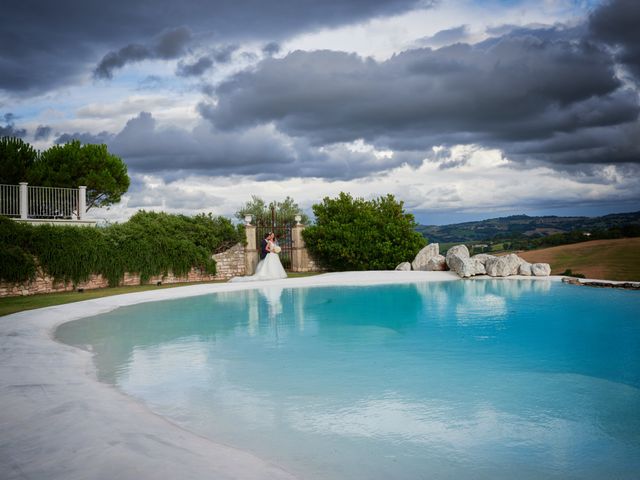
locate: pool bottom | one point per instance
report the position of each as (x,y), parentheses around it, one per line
(523,410)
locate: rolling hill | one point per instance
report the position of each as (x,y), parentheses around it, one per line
(523,225)
(617,259)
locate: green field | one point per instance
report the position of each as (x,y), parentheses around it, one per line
(10,305)
(617,259)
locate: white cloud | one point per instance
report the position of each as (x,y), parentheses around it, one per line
(380,38)
(485,182)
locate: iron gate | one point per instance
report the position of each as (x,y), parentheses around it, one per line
(282,230)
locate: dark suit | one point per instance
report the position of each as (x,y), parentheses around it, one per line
(263,248)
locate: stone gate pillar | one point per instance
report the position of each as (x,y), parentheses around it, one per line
(299,255)
(251,252)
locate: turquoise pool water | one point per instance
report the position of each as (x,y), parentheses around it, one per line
(453,380)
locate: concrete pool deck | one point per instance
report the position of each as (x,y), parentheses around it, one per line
(58,422)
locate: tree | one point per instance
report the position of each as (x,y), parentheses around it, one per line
(261,212)
(73,164)
(355,234)
(16,159)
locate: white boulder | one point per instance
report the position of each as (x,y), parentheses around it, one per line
(460,250)
(478,266)
(437,264)
(541,269)
(483,257)
(465,267)
(503,266)
(404,266)
(459,261)
(525,269)
(456,263)
(424,255)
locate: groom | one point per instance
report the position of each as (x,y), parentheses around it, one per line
(263,246)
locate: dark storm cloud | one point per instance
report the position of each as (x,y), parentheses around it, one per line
(43,132)
(52,44)
(84,137)
(172,43)
(607,144)
(617,23)
(169,45)
(271,48)
(218,55)
(113,60)
(194,69)
(147,148)
(261,152)
(531,87)
(10,130)
(223,53)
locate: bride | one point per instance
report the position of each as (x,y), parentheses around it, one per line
(269,268)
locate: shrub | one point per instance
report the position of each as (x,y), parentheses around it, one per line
(569,273)
(356,234)
(17,266)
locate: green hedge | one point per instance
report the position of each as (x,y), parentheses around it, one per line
(148,244)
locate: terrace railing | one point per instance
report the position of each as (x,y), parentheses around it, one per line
(10,200)
(51,203)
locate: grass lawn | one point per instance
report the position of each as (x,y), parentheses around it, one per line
(617,259)
(17,304)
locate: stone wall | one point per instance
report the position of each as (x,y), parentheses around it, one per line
(229,263)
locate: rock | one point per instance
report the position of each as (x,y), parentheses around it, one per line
(479,267)
(423,256)
(460,250)
(470,267)
(466,268)
(483,257)
(459,261)
(541,269)
(503,266)
(437,264)
(404,266)
(525,269)
(456,263)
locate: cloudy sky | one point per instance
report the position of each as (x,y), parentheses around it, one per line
(463,109)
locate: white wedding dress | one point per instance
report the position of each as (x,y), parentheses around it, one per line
(268,268)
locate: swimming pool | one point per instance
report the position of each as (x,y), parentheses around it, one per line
(466,379)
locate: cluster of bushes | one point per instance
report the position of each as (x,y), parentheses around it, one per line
(356,234)
(149,244)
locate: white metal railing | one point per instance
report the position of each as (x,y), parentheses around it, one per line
(10,200)
(26,202)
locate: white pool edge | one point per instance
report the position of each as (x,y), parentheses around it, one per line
(59,422)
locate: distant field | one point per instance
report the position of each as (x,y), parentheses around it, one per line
(603,259)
